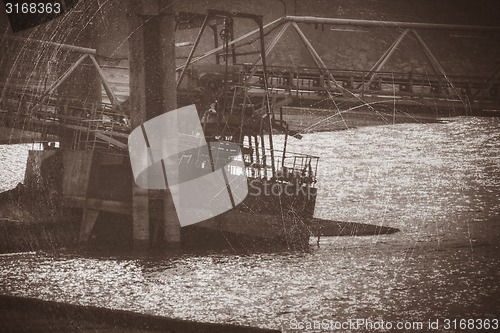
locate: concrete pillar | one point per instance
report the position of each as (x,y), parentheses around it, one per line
(137,77)
(172,229)
(152,92)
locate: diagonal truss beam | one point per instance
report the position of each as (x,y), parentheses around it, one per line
(436,66)
(270,47)
(191,53)
(488,83)
(384,58)
(58,82)
(217,49)
(86,52)
(391,48)
(438,69)
(109,92)
(317,59)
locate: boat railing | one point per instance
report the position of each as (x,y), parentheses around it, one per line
(289,167)
(296,167)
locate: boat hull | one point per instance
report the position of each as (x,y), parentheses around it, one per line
(274,212)
(277,214)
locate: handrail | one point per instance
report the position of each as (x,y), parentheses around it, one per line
(315,70)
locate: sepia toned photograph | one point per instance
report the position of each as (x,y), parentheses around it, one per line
(249,166)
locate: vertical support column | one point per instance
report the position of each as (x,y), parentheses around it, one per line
(172,229)
(152,92)
(231,38)
(266,96)
(140,196)
(410,82)
(216,42)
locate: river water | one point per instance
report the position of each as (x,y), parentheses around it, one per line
(438,183)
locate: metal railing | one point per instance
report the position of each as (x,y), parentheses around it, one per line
(307,80)
(290,167)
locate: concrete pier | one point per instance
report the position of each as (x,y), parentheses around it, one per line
(172,230)
(152,92)
(140,197)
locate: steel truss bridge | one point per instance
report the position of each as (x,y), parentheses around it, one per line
(436,89)
(28,105)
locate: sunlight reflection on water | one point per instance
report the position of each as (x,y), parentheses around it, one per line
(438,183)
(13,164)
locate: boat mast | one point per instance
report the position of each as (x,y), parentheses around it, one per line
(258,19)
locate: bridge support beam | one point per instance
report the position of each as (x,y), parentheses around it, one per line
(166,39)
(140,196)
(152,92)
